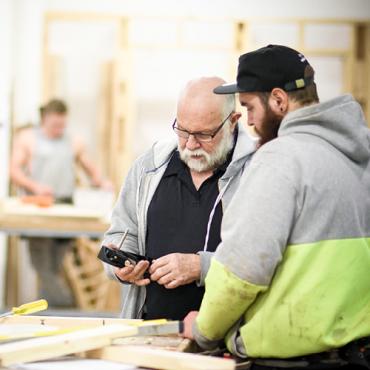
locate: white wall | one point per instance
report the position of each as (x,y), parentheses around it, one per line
(155,112)
(29,16)
(232,8)
(27,51)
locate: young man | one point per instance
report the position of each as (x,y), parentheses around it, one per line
(44,158)
(291,276)
(43,163)
(172,204)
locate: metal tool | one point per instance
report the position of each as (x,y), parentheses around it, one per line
(27,308)
(122,239)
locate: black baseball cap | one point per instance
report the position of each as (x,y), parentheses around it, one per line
(266,68)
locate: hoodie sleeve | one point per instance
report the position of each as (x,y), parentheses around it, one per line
(255,231)
(124,217)
(205,262)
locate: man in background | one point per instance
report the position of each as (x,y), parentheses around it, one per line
(43,163)
(172,204)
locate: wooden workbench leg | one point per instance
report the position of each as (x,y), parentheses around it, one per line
(11,290)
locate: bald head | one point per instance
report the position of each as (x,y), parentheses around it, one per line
(197,102)
(205,124)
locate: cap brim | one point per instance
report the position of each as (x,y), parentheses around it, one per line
(226,89)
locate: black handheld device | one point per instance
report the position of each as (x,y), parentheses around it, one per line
(119,258)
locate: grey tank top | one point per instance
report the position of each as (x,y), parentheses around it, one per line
(52,164)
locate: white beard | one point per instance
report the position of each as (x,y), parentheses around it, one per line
(208,161)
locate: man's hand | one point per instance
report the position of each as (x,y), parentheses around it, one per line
(106,185)
(188,324)
(40,189)
(134,274)
(175,269)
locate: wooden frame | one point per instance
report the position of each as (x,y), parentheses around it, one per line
(116,117)
(117,120)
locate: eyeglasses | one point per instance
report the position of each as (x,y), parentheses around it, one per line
(199,136)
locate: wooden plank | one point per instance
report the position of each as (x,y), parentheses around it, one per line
(15,206)
(105,112)
(45,226)
(167,342)
(161,359)
(149,327)
(12,272)
(63,220)
(66,16)
(66,321)
(44,348)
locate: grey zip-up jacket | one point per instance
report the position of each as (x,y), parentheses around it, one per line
(130,210)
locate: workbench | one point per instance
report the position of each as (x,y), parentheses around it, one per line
(58,220)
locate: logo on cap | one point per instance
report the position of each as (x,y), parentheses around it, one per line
(302,57)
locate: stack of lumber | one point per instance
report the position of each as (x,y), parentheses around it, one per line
(154,344)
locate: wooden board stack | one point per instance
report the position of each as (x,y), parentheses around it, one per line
(152,344)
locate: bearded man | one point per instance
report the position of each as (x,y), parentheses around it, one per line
(172,204)
(289,285)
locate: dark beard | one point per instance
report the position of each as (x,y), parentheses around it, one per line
(270,127)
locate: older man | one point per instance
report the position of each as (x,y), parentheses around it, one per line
(173,200)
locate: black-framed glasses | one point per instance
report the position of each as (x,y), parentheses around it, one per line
(199,136)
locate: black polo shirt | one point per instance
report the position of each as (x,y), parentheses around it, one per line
(177,222)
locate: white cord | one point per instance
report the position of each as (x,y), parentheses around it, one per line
(218,199)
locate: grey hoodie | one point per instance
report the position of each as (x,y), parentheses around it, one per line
(295,253)
(131,208)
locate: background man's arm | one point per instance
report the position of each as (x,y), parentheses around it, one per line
(89,167)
